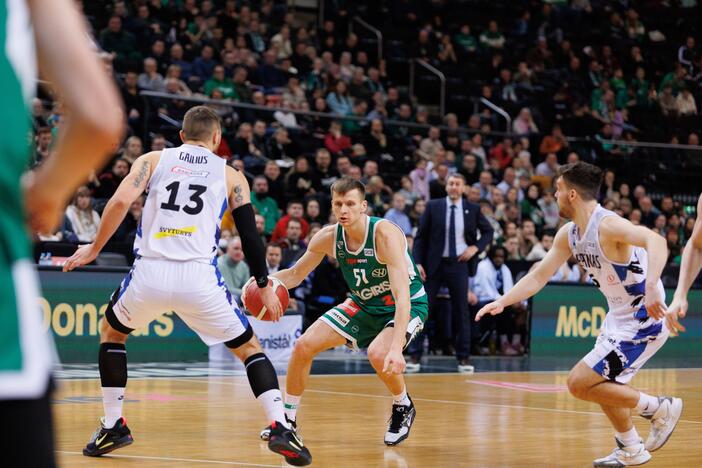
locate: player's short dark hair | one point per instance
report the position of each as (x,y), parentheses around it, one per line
(583,177)
(199,123)
(346,184)
(457,175)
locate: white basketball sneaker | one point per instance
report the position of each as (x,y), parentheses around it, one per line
(400,423)
(663,422)
(625,456)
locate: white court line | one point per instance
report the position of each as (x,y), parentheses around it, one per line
(431,400)
(189,460)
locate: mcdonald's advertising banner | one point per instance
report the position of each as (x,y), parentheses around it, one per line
(73,304)
(566,320)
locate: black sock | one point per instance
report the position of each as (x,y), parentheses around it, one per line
(264,384)
(113,378)
(113,365)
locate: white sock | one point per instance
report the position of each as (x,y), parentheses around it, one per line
(647,404)
(112,399)
(402,398)
(291,404)
(629,438)
(272,403)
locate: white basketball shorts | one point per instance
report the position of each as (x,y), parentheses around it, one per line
(619,356)
(194,291)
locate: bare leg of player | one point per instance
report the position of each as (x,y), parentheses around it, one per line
(617,401)
(403,411)
(319,337)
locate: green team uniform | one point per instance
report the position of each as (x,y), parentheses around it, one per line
(371,306)
(25,352)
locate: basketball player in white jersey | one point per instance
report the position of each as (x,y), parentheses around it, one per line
(189,188)
(689,269)
(625,262)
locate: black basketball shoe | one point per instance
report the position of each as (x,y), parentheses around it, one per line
(400,423)
(266,433)
(105,440)
(285,442)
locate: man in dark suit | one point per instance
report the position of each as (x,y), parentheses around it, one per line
(446,252)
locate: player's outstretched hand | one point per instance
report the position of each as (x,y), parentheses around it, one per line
(83,255)
(394,362)
(655,306)
(272,303)
(492,308)
(677,309)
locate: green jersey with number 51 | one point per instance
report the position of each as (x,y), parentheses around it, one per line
(368,278)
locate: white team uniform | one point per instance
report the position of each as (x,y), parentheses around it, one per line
(628,337)
(175,247)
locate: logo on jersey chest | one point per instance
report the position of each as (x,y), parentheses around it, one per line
(355,261)
(189,172)
(379,273)
(589,260)
(368,252)
(187,157)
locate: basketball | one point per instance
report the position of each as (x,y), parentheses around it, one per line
(252,298)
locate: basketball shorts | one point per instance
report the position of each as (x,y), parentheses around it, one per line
(194,291)
(619,356)
(360,327)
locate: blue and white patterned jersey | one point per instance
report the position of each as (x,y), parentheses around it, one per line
(623,284)
(187,197)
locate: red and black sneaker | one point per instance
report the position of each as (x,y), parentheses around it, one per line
(285,442)
(105,440)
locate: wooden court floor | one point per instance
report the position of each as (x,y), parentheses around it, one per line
(515,419)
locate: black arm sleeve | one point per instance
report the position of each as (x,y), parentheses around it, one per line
(251,243)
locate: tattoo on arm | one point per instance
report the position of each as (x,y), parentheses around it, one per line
(143,171)
(238,197)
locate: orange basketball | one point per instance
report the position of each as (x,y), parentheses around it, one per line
(252,298)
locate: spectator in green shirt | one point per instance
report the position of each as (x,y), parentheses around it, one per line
(264,204)
(465,40)
(492,38)
(220,82)
(233,268)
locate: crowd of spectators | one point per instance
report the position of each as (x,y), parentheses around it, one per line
(543,62)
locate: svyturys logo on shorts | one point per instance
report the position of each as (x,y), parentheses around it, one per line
(174,232)
(379,273)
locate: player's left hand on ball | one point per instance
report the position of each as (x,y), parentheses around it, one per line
(394,362)
(82,256)
(655,307)
(272,303)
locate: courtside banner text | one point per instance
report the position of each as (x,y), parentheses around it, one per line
(566,320)
(72,305)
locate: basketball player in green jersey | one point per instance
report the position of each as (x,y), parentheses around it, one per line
(53,31)
(387,307)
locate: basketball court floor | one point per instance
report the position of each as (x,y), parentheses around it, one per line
(513,412)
